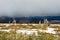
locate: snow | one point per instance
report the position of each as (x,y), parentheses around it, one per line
(49,30)
(6,30)
(27,31)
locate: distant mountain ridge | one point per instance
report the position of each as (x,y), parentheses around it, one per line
(31,19)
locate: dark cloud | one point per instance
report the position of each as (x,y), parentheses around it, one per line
(29,7)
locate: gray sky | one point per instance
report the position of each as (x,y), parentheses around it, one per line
(29,7)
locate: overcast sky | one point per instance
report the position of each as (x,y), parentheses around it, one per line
(29,7)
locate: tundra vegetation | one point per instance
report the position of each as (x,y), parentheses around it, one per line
(12,35)
(19,36)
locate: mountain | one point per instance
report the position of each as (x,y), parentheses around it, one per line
(31,19)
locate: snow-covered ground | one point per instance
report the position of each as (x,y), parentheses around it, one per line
(27,24)
(49,30)
(30,31)
(6,30)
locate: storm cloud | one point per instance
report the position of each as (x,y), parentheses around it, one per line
(29,7)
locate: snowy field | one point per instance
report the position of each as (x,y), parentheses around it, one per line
(30,31)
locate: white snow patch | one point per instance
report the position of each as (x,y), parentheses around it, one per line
(6,30)
(30,31)
(49,30)
(27,31)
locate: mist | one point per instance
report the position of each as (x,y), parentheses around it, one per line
(29,8)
